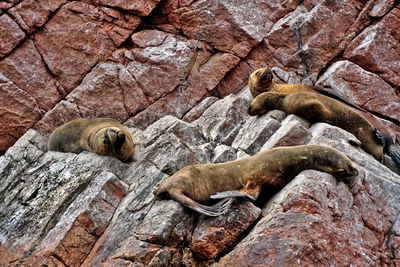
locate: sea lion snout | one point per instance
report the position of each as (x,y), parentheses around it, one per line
(116,139)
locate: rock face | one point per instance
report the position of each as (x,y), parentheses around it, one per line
(140,61)
(166,70)
(64,209)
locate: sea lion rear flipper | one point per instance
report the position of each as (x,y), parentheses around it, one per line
(394,153)
(215,210)
(249,191)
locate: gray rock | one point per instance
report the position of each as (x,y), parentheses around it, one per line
(291,133)
(254,133)
(223,153)
(223,120)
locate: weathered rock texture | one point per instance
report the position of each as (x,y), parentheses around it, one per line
(63,209)
(142,61)
(137,61)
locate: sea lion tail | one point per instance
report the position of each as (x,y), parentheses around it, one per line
(394,152)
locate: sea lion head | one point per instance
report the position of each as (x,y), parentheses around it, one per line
(265,102)
(260,81)
(114,142)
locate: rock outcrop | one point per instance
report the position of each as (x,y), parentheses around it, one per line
(167,70)
(63,209)
(138,62)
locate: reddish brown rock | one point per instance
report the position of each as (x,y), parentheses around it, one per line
(224,24)
(62,113)
(216,234)
(73,41)
(10,35)
(15,105)
(108,91)
(315,219)
(31,14)
(140,7)
(363,88)
(377,48)
(160,62)
(26,69)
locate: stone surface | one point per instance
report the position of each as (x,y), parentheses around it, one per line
(15,104)
(377,48)
(216,234)
(86,209)
(171,55)
(10,34)
(362,88)
(142,61)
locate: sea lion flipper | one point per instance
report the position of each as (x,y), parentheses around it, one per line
(215,210)
(230,194)
(250,191)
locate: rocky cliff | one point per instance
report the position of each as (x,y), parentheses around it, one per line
(141,62)
(63,209)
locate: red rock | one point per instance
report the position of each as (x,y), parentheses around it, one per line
(108,91)
(160,62)
(322,29)
(26,69)
(377,48)
(313,220)
(216,234)
(381,7)
(19,112)
(140,7)
(362,88)
(70,49)
(62,113)
(31,14)
(10,35)
(237,35)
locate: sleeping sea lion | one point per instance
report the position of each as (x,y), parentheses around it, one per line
(320,108)
(103,136)
(260,81)
(200,183)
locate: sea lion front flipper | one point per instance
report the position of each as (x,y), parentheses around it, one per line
(218,209)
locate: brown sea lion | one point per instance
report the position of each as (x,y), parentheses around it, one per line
(200,183)
(320,108)
(260,81)
(103,136)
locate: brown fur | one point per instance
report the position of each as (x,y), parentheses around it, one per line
(320,108)
(260,81)
(99,135)
(197,184)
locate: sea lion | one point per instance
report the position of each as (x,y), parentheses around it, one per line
(260,81)
(320,108)
(200,183)
(103,136)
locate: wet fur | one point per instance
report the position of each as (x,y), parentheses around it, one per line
(196,185)
(99,135)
